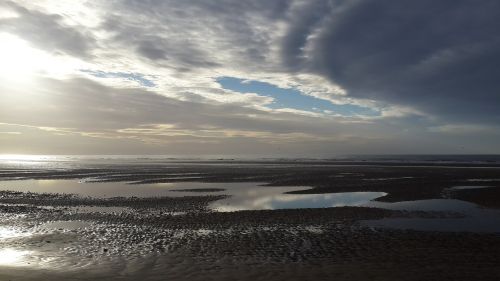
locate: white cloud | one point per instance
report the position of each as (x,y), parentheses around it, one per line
(465,129)
(88,57)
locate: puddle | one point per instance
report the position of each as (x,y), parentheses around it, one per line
(199,190)
(88,188)
(430,205)
(255,196)
(243,195)
(470,224)
(272,199)
(99,209)
(482,180)
(461,187)
(387,179)
(124,189)
(476,219)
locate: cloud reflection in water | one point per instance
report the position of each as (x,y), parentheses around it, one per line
(269,199)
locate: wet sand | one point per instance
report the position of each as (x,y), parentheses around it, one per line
(179,238)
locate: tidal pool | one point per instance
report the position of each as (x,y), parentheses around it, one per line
(475,218)
(429,205)
(461,187)
(242,195)
(272,199)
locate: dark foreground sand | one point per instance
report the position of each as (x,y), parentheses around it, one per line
(179,239)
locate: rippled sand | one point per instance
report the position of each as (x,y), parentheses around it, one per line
(71,237)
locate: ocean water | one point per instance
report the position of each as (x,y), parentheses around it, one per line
(89,161)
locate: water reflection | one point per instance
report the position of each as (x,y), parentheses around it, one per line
(476,219)
(13,257)
(461,187)
(10,256)
(429,205)
(7,233)
(93,189)
(243,195)
(265,200)
(10,232)
(485,223)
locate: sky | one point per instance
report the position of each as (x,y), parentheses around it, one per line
(291,78)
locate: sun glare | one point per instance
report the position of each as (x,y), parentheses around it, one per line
(9,256)
(20,61)
(17,57)
(12,257)
(22,157)
(8,232)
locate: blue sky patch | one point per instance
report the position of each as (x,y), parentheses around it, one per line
(139,78)
(291,98)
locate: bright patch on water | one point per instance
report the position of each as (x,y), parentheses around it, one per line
(13,257)
(8,232)
(482,180)
(387,179)
(269,200)
(93,189)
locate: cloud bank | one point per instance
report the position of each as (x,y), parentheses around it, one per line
(144,76)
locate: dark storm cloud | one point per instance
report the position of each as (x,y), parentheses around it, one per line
(47,31)
(303,20)
(441,57)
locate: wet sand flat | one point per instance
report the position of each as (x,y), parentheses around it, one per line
(73,237)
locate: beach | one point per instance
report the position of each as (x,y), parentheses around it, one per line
(165,221)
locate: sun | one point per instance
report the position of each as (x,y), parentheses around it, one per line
(19,60)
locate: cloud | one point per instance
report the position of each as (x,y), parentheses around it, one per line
(149,73)
(466,129)
(166,33)
(47,31)
(81,107)
(86,105)
(228,38)
(437,57)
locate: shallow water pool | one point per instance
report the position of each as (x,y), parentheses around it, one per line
(242,195)
(475,218)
